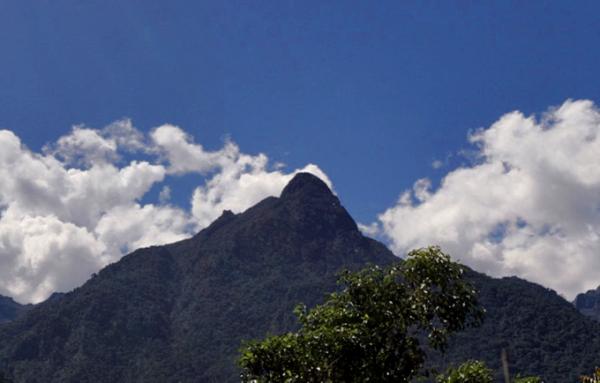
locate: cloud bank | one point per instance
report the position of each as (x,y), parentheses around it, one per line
(76,206)
(529,206)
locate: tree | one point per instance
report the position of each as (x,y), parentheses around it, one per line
(472,371)
(370,330)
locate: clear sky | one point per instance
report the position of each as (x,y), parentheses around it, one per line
(373,93)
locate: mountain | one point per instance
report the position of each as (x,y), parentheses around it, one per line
(178,313)
(9,309)
(588,303)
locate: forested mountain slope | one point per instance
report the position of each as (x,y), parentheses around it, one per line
(178,313)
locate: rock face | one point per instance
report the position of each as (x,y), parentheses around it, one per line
(178,313)
(588,303)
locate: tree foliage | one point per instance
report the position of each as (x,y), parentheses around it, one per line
(371,329)
(528,379)
(475,371)
(472,371)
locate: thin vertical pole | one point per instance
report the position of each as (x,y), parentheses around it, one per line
(505,366)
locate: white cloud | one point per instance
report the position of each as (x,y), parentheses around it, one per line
(126,136)
(165,194)
(126,228)
(77,206)
(437,164)
(184,156)
(530,206)
(86,146)
(41,254)
(371,230)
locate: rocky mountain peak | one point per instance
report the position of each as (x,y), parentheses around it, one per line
(315,211)
(305,185)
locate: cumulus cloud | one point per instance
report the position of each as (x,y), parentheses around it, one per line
(370,230)
(38,255)
(76,206)
(185,156)
(124,229)
(86,146)
(165,194)
(529,206)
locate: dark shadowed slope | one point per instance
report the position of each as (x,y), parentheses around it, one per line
(178,313)
(588,303)
(9,309)
(542,333)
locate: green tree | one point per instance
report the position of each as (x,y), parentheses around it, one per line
(472,371)
(369,331)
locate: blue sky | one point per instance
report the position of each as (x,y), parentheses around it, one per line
(371,92)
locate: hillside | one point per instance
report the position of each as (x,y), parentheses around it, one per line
(178,313)
(9,309)
(542,333)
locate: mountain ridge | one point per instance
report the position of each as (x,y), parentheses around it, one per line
(179,312)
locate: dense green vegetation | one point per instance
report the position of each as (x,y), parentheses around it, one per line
(472,371)
(475,371)
(542,333)
(370,330)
